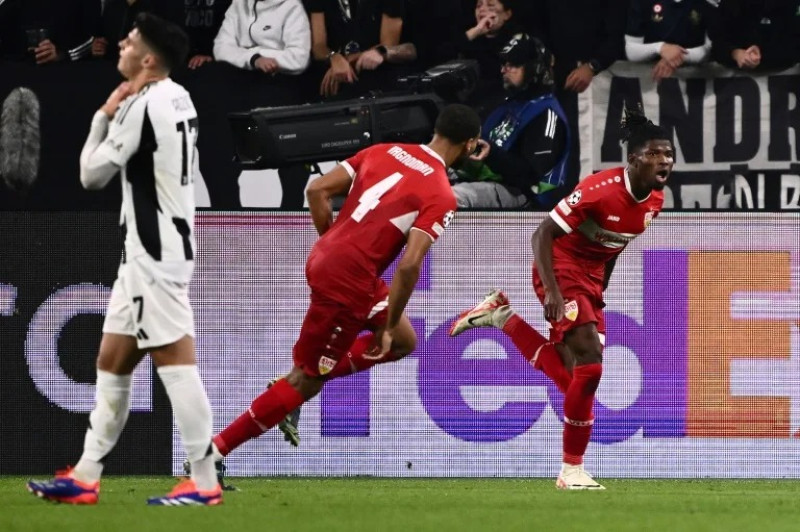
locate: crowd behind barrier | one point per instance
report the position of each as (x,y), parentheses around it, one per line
(316,51)
(758,129)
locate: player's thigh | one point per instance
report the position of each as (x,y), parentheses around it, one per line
(118,354)
(405,338)
(583,302)
(154,310)
(179,353)
(584,344)
(326,335)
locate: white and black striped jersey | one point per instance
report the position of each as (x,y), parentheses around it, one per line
(152,138)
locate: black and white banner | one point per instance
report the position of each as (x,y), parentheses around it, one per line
(736,136)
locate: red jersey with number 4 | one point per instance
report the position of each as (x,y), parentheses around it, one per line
(600,217)
(397,188)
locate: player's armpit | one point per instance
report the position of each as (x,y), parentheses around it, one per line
(334,183)
(320,192)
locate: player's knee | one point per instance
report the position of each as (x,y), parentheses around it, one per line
(405,347)
(305,384)
(588,351)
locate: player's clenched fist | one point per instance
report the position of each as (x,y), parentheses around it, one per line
(119,94)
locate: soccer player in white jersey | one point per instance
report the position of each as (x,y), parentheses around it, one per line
(146,130)
(575,250)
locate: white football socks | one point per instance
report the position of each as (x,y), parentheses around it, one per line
(112,406)
(192,413)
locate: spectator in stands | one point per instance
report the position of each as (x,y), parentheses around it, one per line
(487,33)
(271,36)
(259,50)
(9,28)
(669,32)
(49,31)
(117,21)
(202,20)
(525,145)
(430,27)
(757,34)
(586,37)
(358,46)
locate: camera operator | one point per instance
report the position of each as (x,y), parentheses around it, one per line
(522,157)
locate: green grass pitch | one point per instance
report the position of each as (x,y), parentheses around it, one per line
(349,504)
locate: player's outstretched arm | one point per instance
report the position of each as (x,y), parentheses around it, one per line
(403,282)
(319,193)
(542,244)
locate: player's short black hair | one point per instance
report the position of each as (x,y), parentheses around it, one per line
(458,123)
(166,39)
(637,129)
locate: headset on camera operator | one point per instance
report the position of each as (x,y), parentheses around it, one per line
(523,155)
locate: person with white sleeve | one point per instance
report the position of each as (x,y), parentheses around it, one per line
(268,35)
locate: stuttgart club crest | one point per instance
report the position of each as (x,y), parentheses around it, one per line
(571,310)
(648,218)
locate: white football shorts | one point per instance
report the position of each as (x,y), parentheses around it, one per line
(155,310)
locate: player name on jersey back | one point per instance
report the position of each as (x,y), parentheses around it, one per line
(406,159)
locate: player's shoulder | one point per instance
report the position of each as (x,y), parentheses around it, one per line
(610,175)
(602,184)
(656,199)
(169,98)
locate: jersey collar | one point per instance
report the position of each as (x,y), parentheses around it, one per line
(432,154)
(630,190)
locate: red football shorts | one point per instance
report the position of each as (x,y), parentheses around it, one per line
(583,301)
(330,328)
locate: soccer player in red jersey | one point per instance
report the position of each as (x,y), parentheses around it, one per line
(575,249)
(399,196)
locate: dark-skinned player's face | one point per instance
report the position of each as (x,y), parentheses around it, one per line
(651,165)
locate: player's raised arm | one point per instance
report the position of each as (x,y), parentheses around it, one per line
(319,194)
(96,168)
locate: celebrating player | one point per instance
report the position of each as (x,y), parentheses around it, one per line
(147,130)
(399,196)
(575,250)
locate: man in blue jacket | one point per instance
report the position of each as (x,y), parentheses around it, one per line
(523,155)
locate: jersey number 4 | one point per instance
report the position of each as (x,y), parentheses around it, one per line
(372,196)
(187,128)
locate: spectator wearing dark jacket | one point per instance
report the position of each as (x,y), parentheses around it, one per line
(669,33)
(757,34)
(487,32)
(586,37)
(50,30)
(358,46)
(525,145)
(202,19)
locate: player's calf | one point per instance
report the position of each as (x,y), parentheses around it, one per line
(289,425)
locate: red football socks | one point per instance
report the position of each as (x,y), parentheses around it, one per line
(530,342)
(354,361)
(266,411)
(578,416)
